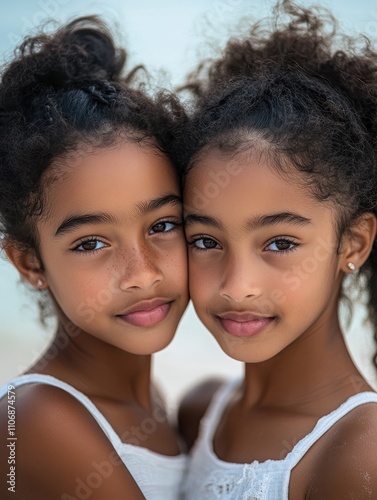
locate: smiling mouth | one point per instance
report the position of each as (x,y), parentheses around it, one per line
(244,326)
(145,314)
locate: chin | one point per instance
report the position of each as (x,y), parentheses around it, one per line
(240,351)
(149,346)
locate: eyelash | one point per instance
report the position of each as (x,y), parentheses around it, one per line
(88,240)
(285,240)
(275,240)
(174,223)
(199,238)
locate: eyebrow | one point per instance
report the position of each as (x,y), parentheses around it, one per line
(145,208)
(278,218)
(76,220)
(253,223)
(192,218)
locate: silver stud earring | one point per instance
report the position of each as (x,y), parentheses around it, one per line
(39,283)
(351,266)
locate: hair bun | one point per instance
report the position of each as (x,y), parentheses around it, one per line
(103,92)
(81,51)
(85,50)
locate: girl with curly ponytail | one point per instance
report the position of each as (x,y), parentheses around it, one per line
(280,198)
(90,215)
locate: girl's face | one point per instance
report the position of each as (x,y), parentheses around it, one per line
(113,248)
(263,260)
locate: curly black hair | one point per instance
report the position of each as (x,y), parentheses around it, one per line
(305,96)
(63,91)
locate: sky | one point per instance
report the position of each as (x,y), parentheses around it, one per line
(164,34)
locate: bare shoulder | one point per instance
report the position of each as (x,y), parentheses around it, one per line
(193,406)
(347,465)
(61,452)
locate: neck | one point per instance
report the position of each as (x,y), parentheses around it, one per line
(309,374)
(96,368)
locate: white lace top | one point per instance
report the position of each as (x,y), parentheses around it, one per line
(211,478)
(158,476)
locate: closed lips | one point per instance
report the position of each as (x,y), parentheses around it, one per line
(244,324)
(242,316)
(147,313)
(145,305)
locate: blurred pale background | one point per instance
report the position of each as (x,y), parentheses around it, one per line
(172,36)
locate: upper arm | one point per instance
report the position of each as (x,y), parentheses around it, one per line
(192,408)
(347,468)
(62,453)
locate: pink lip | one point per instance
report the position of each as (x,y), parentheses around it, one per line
(147,313)
(244,324)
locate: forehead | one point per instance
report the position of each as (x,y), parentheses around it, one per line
(246,183)
(111,179)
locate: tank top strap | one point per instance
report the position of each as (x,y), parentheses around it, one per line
(325,423)
(212,416)
(40,378)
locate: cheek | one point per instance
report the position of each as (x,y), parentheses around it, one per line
(205,265)
(202,283)
(73,291)
(305,288)
(173,262)
(73,287)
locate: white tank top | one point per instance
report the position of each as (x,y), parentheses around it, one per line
(158,476)
(211,478)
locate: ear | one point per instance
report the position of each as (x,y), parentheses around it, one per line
(27,264)
(358,242)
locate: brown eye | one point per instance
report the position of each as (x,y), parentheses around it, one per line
(281,245)
(159,228)
(163,227)
(89,246)
(205,244)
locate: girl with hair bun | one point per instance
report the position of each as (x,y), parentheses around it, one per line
(280,207)
(90,214)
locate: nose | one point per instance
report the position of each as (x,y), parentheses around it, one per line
(141,271)
(240,280)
